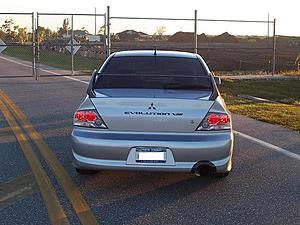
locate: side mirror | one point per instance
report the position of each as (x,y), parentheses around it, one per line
(218,80)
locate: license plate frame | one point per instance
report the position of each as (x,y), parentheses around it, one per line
(151,154)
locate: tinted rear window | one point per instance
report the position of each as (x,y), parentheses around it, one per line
(154,73)
(155,66)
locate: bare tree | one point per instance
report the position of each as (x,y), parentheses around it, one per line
(160,31)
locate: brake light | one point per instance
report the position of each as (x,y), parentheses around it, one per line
(80,116)
(91,116)
(215,121)
(88,118)
(224,119)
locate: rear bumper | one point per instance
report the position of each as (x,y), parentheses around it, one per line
(102,149)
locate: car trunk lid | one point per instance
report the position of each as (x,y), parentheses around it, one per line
(152,114)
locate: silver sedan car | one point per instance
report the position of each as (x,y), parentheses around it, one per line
(153,111)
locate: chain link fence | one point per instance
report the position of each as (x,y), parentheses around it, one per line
(17,40)
(239,53)
(70,44)
(76,44)
(224,52)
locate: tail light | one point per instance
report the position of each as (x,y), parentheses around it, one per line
(215,121)
(88,118)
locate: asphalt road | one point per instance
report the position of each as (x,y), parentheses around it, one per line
(263,188)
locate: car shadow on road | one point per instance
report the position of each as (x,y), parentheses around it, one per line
(128,209)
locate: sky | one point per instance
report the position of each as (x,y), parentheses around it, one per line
(287,14)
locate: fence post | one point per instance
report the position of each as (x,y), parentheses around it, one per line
(72,46)
(37,53)
(268,33)
(33,46)
(195,33)
(104,41)
(95,21)
(274,48)
(108,31)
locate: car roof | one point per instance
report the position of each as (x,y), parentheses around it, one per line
(158,53)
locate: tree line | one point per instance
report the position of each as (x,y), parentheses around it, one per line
(12,33)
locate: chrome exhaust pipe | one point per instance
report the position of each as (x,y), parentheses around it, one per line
(204,169)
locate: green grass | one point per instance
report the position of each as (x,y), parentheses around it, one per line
(55,59)
(286,92)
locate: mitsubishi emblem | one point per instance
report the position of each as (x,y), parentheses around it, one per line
(152,106)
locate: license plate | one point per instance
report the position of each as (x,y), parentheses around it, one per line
(148,154)
(151,156)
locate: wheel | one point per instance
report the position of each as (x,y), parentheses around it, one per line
(84,171)
(221,175)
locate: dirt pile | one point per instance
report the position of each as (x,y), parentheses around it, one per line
(225,38)
(188,37)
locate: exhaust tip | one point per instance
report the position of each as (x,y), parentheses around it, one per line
(204,168)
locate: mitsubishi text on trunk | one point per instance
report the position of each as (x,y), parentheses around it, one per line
(153,111)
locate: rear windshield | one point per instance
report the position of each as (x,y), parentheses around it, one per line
(154,73)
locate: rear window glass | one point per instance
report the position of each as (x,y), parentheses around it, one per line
(154,73)
(155,66)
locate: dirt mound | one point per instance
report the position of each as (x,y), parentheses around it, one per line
(203,38)
(187,37)
(225,38)
(183,37)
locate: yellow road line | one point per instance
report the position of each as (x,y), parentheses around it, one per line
(79,204)
(55,210)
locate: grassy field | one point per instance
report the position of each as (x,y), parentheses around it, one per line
(54,59)
(286,92)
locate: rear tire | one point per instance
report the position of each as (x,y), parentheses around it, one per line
(84,171)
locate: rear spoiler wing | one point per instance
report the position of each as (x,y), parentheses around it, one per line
(91,93)
(95,74)
(90,89)
(215,91)
(214,79)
